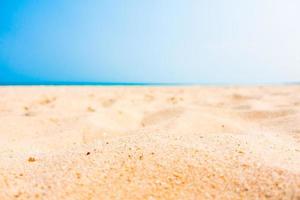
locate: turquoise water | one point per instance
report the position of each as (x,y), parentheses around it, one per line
(87,84)
(47,83)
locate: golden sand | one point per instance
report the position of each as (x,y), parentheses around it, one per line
(150,142)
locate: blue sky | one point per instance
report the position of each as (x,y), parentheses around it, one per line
(182,41)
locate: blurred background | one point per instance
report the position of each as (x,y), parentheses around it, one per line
(178,41)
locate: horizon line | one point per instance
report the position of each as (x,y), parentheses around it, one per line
(95,83)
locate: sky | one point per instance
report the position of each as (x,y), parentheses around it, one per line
(157,41)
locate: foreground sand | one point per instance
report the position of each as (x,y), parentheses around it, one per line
(150,142)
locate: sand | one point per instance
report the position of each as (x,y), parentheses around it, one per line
(150,142)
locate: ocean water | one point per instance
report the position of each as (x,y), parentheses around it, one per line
(67,83)
(47,83)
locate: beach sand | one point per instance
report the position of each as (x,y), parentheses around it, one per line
(150,142)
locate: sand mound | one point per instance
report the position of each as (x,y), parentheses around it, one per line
(150,142)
